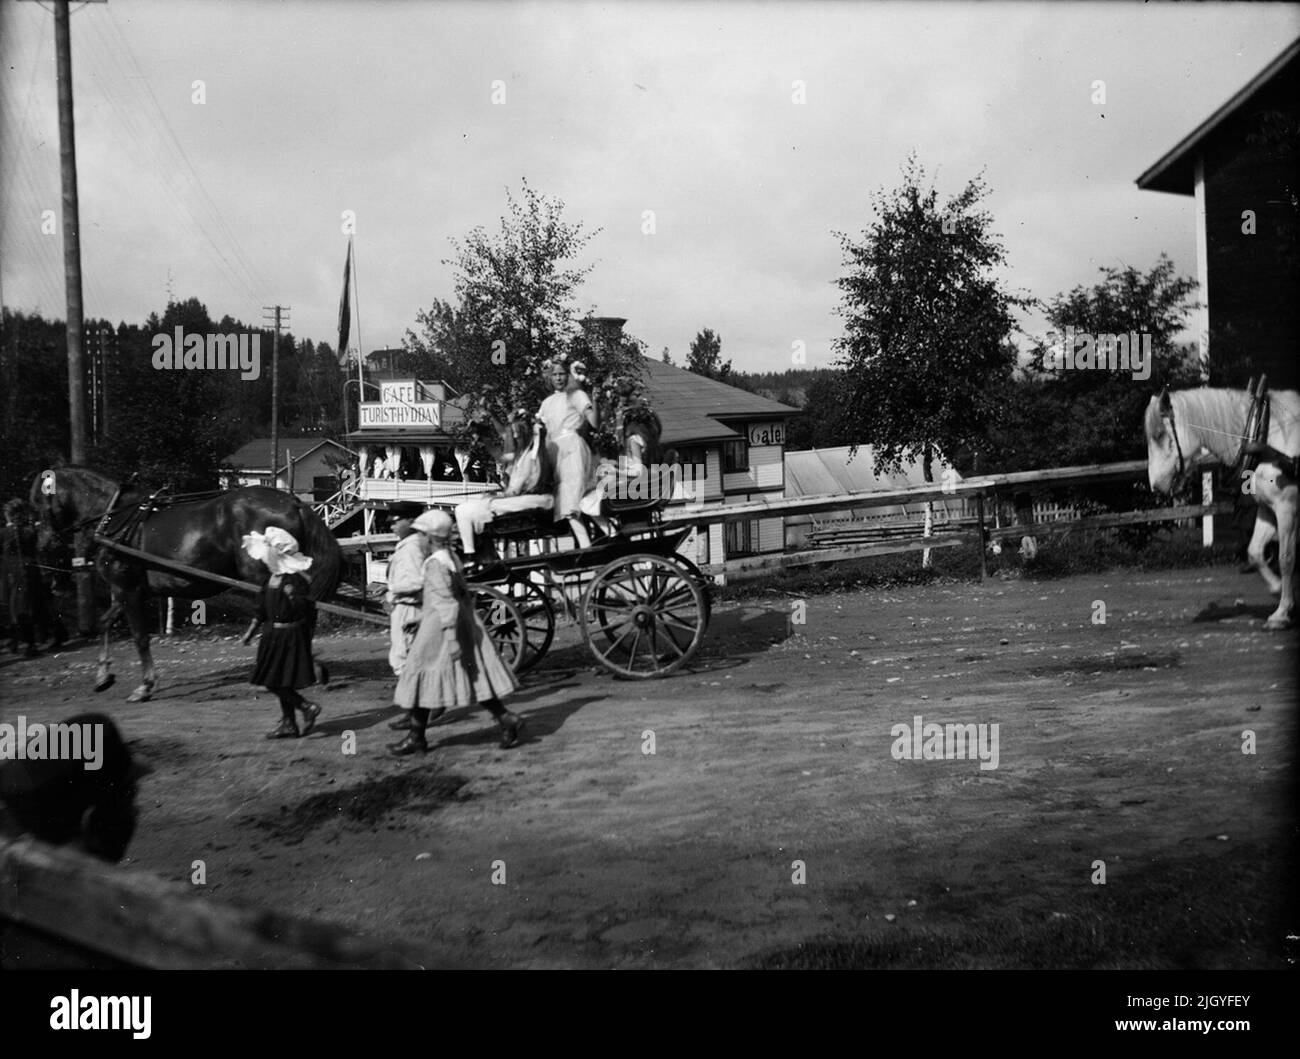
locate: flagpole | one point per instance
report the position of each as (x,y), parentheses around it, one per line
(361,382)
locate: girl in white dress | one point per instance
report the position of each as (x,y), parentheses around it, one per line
(567,414)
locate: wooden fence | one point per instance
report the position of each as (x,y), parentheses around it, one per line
(982,490)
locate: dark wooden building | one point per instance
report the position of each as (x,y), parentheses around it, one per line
(1241,167)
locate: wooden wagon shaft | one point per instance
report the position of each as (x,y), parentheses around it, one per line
(229,582)
(807,505)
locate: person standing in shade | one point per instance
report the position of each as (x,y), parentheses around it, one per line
(23,590)
(453,661)
(405,590)
(284,659)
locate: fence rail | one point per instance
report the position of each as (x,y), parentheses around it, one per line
(866,540)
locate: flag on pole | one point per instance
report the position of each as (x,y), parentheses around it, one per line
(345,306)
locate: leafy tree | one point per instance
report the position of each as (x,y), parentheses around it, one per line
(1065,417)
(925,347)
(705,357)
(180,425)
(513,308)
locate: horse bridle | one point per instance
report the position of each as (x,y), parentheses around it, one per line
(1173,429)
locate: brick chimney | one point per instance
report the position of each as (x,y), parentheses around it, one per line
(603,332)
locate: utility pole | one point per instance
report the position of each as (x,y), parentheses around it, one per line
(71,232)
(275,388)
(72,278)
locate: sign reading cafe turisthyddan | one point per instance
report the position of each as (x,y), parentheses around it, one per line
(399,406)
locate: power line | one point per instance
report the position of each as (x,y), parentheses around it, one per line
(126,115)
(252,272)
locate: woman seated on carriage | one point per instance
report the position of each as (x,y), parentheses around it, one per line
(528,487)
(626,472)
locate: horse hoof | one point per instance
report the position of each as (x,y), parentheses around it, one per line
(106,683)
(1277,624)
(141,694)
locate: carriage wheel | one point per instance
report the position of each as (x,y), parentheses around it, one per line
(607,614)
(504,623)
(644,616)
(538,617)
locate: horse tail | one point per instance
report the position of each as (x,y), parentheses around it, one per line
(327,557)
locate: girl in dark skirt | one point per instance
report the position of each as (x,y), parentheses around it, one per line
(284,658)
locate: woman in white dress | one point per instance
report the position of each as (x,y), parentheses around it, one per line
(567,414)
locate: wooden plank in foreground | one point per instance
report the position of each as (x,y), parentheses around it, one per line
(147,922)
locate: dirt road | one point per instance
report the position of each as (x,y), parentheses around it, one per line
(772,824)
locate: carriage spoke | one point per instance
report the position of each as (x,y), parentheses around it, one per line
(608,630)
(614,646)
(654,650)
(680,593)
(668,617)
(668,635)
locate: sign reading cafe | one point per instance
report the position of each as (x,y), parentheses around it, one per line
(399,406)
(766,434)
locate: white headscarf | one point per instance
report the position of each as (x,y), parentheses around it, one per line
(278,549)
(435,524)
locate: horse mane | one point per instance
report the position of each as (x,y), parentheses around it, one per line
(1216,416)
(1154,421)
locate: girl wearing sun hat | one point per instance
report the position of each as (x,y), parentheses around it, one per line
(284,658)
(452,661)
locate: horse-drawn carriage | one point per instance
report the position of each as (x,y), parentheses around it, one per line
(643,608)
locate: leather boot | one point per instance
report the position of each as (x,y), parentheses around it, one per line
(286,729)
(310,711)
(511,725)
(414,743)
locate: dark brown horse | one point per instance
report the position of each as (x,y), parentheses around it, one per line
(204,531)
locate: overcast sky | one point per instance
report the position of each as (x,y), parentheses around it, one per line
(386,109)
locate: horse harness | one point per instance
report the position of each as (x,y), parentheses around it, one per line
(1255,434)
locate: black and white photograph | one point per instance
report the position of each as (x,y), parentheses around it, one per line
(649,486)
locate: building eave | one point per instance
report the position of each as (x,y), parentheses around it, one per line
(1175,171)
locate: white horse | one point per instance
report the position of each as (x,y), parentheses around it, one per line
(1180,424)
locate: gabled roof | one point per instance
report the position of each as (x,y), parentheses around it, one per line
(1175,172)
(694,408)
(255,455)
